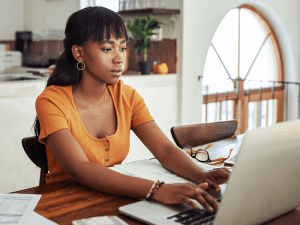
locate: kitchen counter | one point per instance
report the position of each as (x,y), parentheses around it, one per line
(22,88)
(33,87)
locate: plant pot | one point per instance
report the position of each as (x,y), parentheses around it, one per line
(146,67)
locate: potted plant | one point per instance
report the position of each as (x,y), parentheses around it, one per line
(141,29)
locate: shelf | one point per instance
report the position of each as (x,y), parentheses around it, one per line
(152,11)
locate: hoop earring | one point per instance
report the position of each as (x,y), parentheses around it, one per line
(78,65)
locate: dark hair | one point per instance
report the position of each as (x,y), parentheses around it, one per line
(87,23)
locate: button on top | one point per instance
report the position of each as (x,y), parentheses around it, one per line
(106,149)
(107,159)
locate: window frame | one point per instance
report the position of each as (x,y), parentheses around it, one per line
(241,97)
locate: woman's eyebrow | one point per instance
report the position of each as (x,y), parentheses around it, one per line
(110,42)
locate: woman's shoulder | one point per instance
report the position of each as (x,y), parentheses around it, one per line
(129,95)
(56,92)
(123,89)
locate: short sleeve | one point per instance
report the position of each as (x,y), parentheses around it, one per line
(51,112)
(140,112)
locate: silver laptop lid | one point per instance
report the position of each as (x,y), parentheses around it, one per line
(265,179)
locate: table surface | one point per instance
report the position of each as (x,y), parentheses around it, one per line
(65,201)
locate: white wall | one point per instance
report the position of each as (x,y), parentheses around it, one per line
(11,17)
(42,14)
(200,21)
(19,15)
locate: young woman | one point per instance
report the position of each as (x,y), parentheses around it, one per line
(85,114)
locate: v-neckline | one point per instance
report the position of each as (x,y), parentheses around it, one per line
(117,115)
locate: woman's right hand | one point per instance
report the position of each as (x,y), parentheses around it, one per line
(184,192)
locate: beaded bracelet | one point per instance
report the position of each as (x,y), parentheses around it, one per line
(156,188)
(149,195)
(153,191)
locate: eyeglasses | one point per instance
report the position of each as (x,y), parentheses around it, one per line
(202,155)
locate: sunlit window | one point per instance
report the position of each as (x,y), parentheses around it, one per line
(244,54)
(243,47)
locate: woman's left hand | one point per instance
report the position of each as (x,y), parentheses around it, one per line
(214,178)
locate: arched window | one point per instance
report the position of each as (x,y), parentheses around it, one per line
(245,49)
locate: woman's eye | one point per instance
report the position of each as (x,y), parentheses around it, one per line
(106,49)
(123,49)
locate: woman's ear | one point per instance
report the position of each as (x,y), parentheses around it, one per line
(77,53)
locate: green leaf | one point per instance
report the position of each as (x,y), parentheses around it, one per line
(136,21)
(141,29)
(137,33)
(150,34)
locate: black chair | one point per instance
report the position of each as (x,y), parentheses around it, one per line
(37,154)
(200,134)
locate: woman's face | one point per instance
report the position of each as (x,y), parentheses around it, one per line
(105,60)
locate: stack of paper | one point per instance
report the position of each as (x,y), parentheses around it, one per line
(18,209)
(153,170)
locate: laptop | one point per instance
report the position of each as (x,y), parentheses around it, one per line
(263,185)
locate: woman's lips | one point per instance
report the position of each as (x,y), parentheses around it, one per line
(116,73)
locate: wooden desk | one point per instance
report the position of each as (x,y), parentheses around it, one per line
(65,201)
(222,148)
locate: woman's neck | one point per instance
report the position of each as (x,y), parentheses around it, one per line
(91,91)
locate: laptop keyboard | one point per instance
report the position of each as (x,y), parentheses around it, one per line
(194,217)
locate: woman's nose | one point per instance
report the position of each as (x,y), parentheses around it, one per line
(120,57)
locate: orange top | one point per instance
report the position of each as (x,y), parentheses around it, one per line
(56,110)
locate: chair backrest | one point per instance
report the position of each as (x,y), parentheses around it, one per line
(200,134)
(37,154)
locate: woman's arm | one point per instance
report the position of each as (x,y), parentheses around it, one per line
(73,159)
(176,160)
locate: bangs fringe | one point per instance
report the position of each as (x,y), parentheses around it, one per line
(105,22)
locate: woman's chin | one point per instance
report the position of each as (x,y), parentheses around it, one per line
(114,80)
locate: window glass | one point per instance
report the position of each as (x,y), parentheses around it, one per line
(215,74)
(251,39)
(225,41)
(243,47)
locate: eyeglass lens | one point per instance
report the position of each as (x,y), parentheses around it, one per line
(202,155)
